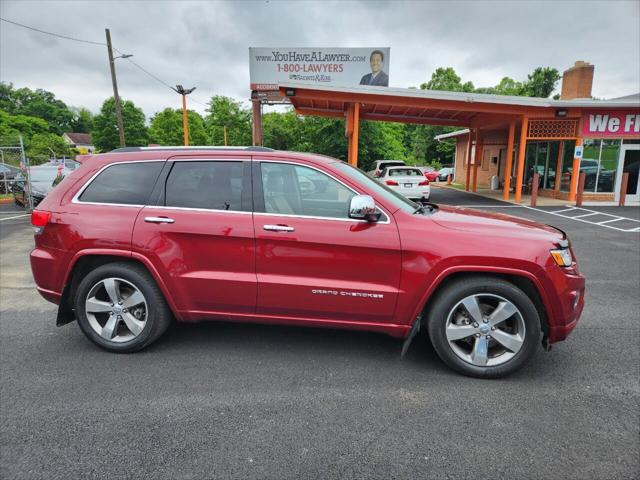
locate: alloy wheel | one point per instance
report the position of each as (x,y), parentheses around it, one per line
(485,330)
(116,310)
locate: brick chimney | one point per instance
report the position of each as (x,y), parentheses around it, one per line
(577,81)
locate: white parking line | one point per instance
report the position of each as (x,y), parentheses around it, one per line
(16,216)
(605,224)
(587,215)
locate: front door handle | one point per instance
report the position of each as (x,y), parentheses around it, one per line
(278,228)
(159,220)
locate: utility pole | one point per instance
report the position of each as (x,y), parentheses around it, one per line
(185,125)
(225,135)
(112,66)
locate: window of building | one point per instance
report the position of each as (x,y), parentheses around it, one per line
(600,164)
(211,185)
(567,165)
(123,183)
(296,190)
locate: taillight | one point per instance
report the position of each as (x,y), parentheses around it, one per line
(39,220)
(392,183)
(424,183)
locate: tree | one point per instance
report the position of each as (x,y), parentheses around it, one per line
(36,103)
(15,125)
(43,146)
(105,129)
(167,129)
(82,120)
(224,111)
(447,79)
(542,82)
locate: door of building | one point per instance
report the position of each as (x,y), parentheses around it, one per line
(630,163)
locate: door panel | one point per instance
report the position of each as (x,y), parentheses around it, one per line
(325,268)
(200,236)
(206,257)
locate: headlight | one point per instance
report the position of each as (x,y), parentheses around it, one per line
(562,257)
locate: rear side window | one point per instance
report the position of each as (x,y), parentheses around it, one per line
(123,183)
(213,185)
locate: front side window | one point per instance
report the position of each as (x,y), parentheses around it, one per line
(297,190)
(213,185)
(123,183)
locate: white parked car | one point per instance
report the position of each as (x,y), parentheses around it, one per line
(380,165)
(408,181)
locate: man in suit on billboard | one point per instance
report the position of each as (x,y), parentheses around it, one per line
(377,76)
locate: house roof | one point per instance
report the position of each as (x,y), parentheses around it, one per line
(80,138)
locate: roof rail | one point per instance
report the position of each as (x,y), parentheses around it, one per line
(215,148)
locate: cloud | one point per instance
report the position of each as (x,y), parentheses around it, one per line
(206,43)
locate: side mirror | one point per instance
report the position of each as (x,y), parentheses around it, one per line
(364,207)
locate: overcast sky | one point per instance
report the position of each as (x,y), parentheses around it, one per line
(206,43)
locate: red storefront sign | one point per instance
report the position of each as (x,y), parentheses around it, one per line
(616,123)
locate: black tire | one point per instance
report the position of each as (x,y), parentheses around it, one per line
(453,293)
(159,314)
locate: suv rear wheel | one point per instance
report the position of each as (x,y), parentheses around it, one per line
(120,308)
(484,327)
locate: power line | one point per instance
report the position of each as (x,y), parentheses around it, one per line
(54,34)
(102,44)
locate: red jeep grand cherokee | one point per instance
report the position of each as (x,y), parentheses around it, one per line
(139,236)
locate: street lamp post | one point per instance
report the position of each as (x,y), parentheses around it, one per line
(185,125)
(116,97)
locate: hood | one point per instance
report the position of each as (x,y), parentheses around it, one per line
(495,224)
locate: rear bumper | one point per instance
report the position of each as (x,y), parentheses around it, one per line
(47,273)
(415,192)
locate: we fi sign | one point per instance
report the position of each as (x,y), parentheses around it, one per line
(611,124)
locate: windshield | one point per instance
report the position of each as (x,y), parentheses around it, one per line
(44,174)
(405,172)
(376,188)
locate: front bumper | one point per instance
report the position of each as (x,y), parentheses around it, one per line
(567,289)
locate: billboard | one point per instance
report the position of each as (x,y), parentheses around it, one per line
(318,66)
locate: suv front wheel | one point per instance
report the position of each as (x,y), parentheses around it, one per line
(120,308)
(484,327)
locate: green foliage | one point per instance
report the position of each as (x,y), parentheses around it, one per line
(36,103)
(542,82)
(11,126)
(224,111)
(447,79)
(105,129)
(42,146)
(166,128)
(82,121)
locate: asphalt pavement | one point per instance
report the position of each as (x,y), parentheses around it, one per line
(223,400)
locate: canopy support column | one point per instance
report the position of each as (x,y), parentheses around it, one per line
(469,147)
(478,158)
(575,173)
(522,147)
(509,160)
(352,128)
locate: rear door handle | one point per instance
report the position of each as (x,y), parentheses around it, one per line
(278,228)
(159,220)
